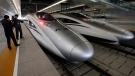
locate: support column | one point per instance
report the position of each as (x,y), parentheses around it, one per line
(83,9)
(36,8)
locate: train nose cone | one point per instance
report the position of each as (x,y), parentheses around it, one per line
(127,35)
(82,52)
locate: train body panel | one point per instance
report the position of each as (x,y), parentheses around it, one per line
(60,40)
(86,29)
(118,32)
(94,28)
(43,39)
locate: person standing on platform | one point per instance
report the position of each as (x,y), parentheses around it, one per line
(8,29)
(18,27)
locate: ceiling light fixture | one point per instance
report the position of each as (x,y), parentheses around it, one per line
(94,0)
(52,5)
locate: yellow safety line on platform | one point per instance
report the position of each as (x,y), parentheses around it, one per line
(7,60)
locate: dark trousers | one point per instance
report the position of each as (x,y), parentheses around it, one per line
(18,29)
(8,36)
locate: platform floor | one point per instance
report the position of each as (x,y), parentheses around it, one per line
(2,39)
(32,60)
(7,60)
(26,60)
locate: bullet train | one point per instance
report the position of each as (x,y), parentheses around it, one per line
(59,39)
(94,29)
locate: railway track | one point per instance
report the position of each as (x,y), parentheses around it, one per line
(108,62)
(81,69)
(128,51)
(113,61)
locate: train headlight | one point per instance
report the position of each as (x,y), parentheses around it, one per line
(42,22)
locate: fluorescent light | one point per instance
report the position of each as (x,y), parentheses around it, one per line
(52,5)
(95,0)
(77,6)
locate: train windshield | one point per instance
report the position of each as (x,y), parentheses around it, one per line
(45,16)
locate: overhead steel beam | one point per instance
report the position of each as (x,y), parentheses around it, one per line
(130,0)
(30,1)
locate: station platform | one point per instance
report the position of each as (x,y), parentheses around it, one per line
(26,60)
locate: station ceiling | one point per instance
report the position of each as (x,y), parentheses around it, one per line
(31,6)
(129,0)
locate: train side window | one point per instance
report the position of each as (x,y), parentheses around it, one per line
(31,24)
(64,20)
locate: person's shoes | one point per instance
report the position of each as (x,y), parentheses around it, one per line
(22,37)
(9,48)
(17,45)
(17,38)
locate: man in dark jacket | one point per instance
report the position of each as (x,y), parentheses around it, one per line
(18,27)
(8,28)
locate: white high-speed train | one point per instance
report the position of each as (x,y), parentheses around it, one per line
(59,39)
(94,29)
